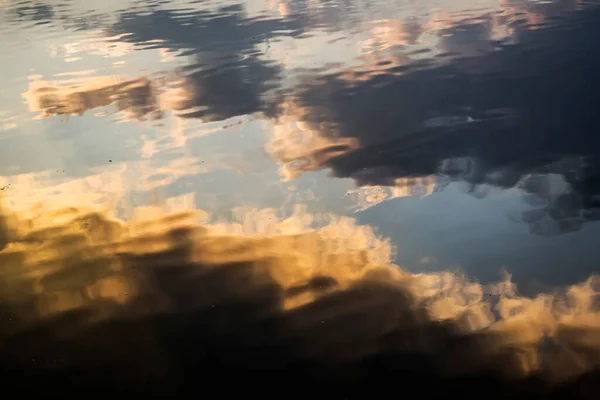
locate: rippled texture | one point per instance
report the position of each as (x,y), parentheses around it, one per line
(366,169)
(161,300)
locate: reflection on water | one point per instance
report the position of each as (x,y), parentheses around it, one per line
(327,142)
(134,96)
(162,300)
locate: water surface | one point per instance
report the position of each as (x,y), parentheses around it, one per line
(441,137)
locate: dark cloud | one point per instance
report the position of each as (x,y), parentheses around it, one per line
(40,13)
(485,115)
(93,306)
(227,30)
(227,76)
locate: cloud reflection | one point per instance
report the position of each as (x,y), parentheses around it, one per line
(136,98)
(154,304)
(226,76)
(488,116)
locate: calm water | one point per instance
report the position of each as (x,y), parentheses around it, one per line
(463,131)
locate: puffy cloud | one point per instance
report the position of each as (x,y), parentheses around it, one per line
(162,304)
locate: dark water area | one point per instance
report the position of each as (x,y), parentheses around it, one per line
(334,197)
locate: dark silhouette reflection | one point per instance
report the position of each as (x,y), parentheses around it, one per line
(219,92)
(47,13)
(33,11)
(227,76)
(562,195)
(487,115)
(164,307)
